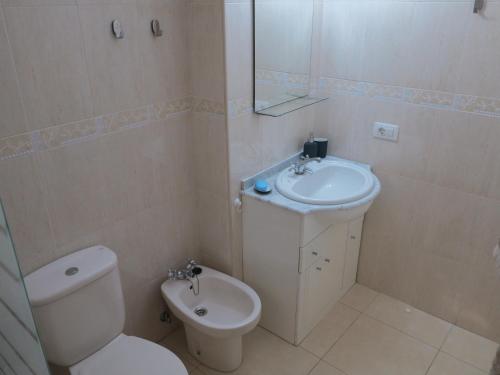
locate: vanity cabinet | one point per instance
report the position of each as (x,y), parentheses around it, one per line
(300,265)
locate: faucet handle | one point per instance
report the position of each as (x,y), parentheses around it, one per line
(171,274)
(191,264)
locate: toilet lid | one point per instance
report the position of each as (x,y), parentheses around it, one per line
(129,355)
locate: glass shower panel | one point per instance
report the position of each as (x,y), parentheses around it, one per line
(20,349)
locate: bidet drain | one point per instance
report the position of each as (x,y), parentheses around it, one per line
(201,311)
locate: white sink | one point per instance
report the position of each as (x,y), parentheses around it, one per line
(328,182)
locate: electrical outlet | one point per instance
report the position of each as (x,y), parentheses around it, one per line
(384,131)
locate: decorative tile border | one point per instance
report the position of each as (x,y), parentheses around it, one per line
(56,136)
(210,106)
(326,86)
(75,132)
(428,98)
(239,106)
(16,145)
(161,111)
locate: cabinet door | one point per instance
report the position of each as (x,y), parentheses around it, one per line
(323,281)
(352,253)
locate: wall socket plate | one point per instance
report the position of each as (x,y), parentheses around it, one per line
(388,132)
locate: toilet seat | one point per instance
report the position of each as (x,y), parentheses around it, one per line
(129,355)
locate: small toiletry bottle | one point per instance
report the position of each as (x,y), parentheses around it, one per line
(310,147)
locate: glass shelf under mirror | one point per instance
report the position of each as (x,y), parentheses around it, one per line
(290,106)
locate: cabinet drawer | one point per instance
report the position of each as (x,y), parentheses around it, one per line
(329,245)
(311,253)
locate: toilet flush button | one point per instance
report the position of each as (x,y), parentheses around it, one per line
(71,271)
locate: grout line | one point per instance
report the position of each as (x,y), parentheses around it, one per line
(401,331)
(339,338)
(432,362)
(446,337)
(308,351)
(463,361)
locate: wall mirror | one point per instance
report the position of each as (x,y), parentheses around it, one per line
(282,55)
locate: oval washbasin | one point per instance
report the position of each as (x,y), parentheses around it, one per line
(328,182)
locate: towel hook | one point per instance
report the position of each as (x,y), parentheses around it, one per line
(478,5)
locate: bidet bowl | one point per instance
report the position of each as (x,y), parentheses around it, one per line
(216,318)
(232,307)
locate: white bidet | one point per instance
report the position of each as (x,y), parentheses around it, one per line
(216,317)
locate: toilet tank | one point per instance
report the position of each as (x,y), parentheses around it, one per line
(78,304)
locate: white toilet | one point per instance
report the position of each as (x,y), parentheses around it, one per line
(216,313)
(78,306)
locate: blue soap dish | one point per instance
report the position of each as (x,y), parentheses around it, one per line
(262,187)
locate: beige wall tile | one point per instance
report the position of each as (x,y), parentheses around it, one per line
(213,216)
(343,34)
(387,254)
(370,347)
(334,120)
(13,120)
(133,189)
(479,301)
(126,171)
(239,49)
(443,222)
(176,342)
(48,52)
(207,49)
(477,54)
(278,144)
(435,38)
(245,146)
(25,203)
(73,180)
(114,65)
(146,307)
(410,155)
(210,148)
(170,148)
(166,71)
(438,285)
(37,2)
(385,50)
(470,348)
(460,148)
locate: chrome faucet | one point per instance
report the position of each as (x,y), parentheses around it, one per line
(300,166)
(190,270)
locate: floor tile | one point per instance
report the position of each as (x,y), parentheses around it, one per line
(266,354)
(370,347)
(329,330)
(445,364)
(470,348)
(176,342)
(359,297)
(323,368)
(416,323)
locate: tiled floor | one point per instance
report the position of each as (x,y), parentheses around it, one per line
(366,333)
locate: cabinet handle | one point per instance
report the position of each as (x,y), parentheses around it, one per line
(327,260)
(314,253)
(319,268)
(353,237)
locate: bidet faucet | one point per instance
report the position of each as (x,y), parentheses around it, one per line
(190,270)
(300,166)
